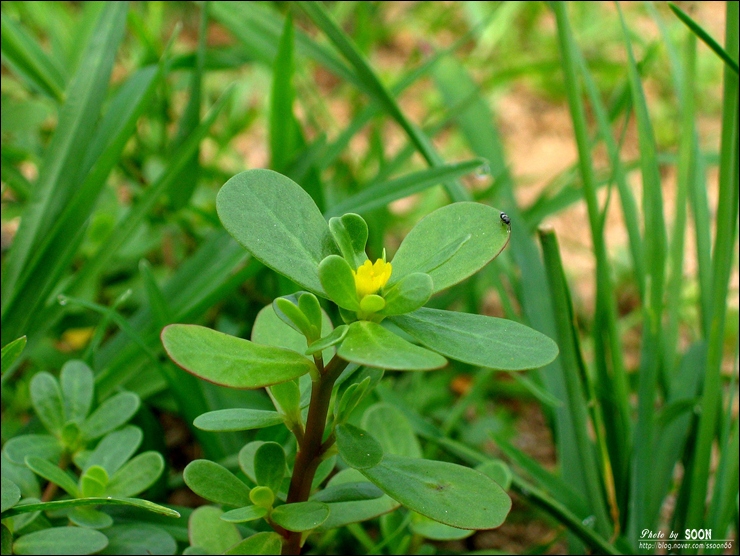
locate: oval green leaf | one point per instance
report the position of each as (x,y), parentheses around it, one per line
(408,294)
(451,243)
(52,472)
(442,491)
(301,516)
(207,530)
(479,340)
(139,538)
(115,449)
(41,445)
(237,419)
(392,430)
(245,514)
(348,492)
(350,232)
(230,361)
(339,282)
(269,465)
(10,494)
(137,475)
(258,544)
(344,513)
(61,540)
(277,221)
(77,383)
(357,447)
(46,398)
(111,414)
(368,343)
(216,483)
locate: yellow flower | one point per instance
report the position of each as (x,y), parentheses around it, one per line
(370,277)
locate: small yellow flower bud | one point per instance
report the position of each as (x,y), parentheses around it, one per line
(370,277)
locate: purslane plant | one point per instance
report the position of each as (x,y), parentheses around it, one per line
(305,362)
(100,444)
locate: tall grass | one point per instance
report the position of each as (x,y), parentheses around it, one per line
(160,135)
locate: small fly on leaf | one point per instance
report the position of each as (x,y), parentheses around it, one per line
(505,219)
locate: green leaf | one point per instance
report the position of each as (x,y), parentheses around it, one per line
(301,516)
(246,459)
(357,447)
(350,233)
(445,492)
(86,516)
(26,57)
(216,483)
(259,543)
(111,414)
(336,336)
(41,445)
(97,501)
(380,193)
(262,496)
(408,294)
(338,281)
(58,172)
(237,420)
(427,528)
(61,540)
(52,472)
(11,352)
(344,513)
(498,471)
(245,514)
(351,397)
(139,538)
(137,475)
(439,244)
(94,482)
(291,315)
(278,222)
(231,361)
(207,531)
(115,449)
(478,339)
(269,465)
(286,397)
(368,343)
(270,330)
(348,492)
(310,307)
(392,430)
(699,31)
(10,494)
(78,385)
(282,122)
(46,398)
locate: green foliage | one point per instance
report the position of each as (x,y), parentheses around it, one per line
(122,122)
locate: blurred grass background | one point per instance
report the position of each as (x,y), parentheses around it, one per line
(118,128)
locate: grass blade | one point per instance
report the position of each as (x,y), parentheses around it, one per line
(699,31)
(59,170)
(377,90)
(722,262)
(25,56)
(379,194)
(573,363)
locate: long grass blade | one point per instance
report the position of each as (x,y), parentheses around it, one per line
(722,260)
(372,83)
(77,118)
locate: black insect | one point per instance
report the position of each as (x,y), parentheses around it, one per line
(505,219)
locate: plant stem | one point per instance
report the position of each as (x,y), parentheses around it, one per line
(310,447)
